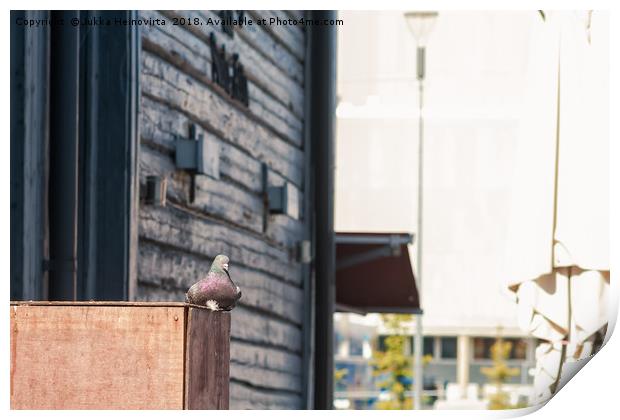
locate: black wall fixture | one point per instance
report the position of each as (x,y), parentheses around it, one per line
(228,72)
(280,199)
(198,156)
(220,72)
(155,191)
(239,82)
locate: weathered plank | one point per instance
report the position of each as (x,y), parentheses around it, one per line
(207,360)
(270,44)
(192,55)
(224,200)
(198,43)
(255,54)
(244,397)
(178,242)
(171,225)
(263,71)
(265,378)
(175,270)
(273,124)
(212,197)
(148,292)
(247,325)
(163,82)
(264,367)
(293,37)
(143,346)
(255,327)
(255,355)
(296,14)
(160,124)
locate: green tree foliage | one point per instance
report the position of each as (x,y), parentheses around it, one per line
(339,375)
(499,373)
(393,365)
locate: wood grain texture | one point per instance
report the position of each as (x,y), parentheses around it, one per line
(179,241)
(181,46)
(199,235)
(97,357)
(169,269)
(244,397)
(227,201)
(207,359)
(288,75)
(289,36)
(165,83)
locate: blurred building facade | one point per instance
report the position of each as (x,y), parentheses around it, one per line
(447,370)
(476,71)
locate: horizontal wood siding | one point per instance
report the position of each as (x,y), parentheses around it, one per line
(178,242)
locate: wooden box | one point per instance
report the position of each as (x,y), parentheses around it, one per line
(118,355)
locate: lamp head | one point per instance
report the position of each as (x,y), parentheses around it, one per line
(421,24)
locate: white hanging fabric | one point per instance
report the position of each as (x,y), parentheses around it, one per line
(557,260)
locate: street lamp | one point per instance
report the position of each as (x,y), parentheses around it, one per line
(421,24)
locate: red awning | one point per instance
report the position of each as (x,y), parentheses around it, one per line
(374,273)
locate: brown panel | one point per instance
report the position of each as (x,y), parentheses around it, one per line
(208,359)
(96,357)
(384,284)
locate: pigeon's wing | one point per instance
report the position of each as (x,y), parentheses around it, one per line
(190,296)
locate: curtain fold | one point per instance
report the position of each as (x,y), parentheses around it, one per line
(557,257)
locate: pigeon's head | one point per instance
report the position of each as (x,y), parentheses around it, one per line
(220,264)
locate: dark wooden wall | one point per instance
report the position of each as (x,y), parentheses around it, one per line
(178,242)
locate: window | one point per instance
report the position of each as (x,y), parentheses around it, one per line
(428,346)
(356,346)
(519,349)
(448,347)
(482,348)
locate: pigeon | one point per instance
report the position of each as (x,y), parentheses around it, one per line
(216,291)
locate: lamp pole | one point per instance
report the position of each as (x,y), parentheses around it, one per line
(420,24)
(418,346)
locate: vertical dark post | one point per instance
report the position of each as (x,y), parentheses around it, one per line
(29,155)
(323,111)
(207,359)
(64,157)
(109,146)
(308,219)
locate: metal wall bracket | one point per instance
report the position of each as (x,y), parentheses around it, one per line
(304,252)
(197,156)
(155,194)
(279,199)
